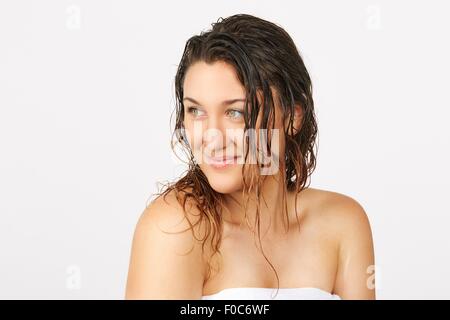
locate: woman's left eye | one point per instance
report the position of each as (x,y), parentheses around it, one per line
(235,114)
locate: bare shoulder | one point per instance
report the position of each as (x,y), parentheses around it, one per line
(346,218)
(343,212)
(167,212)
(166,261)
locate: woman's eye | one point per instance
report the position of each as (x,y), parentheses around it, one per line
(235,114)
(195,111)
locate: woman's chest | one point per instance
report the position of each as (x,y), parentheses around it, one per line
(300,260)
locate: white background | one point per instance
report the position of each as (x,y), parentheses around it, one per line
(86,94)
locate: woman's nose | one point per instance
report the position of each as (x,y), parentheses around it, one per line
(213,140)
(214,136)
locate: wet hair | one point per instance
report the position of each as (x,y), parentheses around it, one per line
(264,56)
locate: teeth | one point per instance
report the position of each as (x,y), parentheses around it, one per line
(220,161)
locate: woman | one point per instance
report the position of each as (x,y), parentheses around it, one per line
(243,223)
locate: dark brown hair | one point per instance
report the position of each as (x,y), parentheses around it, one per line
(264,56)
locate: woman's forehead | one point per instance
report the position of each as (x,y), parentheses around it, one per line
(212,82)
(217,82)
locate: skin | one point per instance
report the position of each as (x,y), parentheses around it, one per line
(332,250)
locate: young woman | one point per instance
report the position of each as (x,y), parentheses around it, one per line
(242,222)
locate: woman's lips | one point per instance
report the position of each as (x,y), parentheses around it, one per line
(221,162)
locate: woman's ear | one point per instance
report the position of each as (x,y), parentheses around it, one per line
(297,119)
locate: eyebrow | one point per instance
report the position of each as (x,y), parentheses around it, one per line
(224,103)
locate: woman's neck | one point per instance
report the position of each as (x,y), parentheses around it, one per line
(272,209)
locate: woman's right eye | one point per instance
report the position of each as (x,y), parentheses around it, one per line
(196,112)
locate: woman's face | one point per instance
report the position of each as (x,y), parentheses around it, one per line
(214,102)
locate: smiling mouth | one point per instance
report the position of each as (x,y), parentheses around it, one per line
(220,162)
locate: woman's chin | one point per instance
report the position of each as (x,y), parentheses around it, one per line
(225,184)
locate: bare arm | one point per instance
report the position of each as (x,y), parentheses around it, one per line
(164,266)
(355,276)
